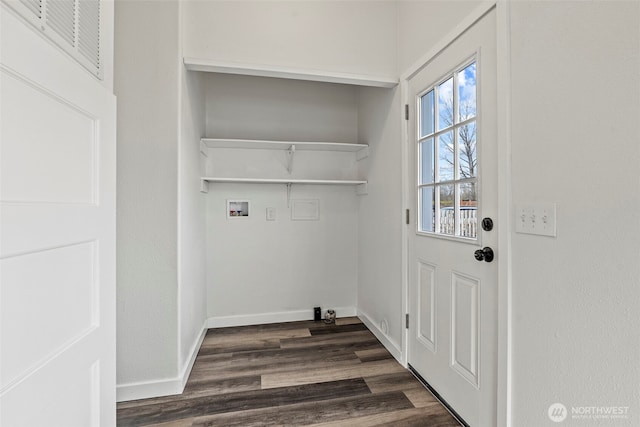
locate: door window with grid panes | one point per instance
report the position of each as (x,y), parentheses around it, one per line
(447,181)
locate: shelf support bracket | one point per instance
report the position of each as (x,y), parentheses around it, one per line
(362,189)
(204,186)
(362,153)
(288,194)
(290,152)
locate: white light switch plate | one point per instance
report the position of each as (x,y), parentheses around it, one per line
(271,214)
(536,218)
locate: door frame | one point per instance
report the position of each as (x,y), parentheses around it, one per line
(503,226)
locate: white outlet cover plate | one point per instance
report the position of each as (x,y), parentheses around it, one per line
(271,214)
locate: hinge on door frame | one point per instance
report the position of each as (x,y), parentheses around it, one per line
(407,217)
(406,111)
(406,321)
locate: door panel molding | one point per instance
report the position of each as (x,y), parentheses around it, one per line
(426,316)
(29,172)
(73,268)
(465,326)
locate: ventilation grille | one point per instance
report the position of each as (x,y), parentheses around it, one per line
(89,31)
(33,6)
(61,16)
(74,25)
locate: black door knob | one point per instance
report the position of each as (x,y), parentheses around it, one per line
(484,254)
(487,224)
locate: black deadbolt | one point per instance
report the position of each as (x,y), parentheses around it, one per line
(487,224)
(484,254)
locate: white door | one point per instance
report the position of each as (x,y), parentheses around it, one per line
(452,295)
(57,235)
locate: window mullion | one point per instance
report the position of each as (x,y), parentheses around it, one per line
(436,150)
(456,197)
(436,163)
(436,210)
(456,148)
(456,159)
(418,166)
(436,121)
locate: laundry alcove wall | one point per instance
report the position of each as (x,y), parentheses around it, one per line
(261,270)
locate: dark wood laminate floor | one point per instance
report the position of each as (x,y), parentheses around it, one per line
(293,374)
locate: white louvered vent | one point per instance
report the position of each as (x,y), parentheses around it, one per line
(74,25)
(89,31)
(61,16)
(34,6)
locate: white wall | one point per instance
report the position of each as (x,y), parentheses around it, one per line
(161,287)
(380,215)
(192,310)
(575,132)
(261,270)
(269,108)
(146,76)
(264,271)
(421,24)
(334,36)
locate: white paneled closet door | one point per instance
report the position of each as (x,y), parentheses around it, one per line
(57,218)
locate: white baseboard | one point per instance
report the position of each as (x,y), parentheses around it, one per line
(264,318)
(148,389)
(195,348)
(164,387)
(391,346)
